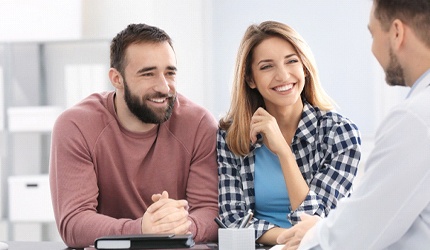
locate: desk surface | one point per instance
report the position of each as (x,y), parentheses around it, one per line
(27,245)
(48,245)
(45,245)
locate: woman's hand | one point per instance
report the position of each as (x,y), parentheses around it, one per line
(264,123)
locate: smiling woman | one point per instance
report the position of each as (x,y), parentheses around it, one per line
(277,74)
(280,129)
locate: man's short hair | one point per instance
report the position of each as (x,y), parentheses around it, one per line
(134,34)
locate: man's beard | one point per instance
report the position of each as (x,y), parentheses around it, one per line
(145,113)
(394,73)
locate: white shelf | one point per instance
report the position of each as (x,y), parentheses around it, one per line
(38,81)
(32,119)
(2,100)
(30,199)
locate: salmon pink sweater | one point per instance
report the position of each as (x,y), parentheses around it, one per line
(102,176)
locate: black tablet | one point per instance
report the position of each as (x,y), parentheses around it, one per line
(144,241)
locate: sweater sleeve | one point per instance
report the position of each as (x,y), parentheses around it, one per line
(74,189)
(202,182)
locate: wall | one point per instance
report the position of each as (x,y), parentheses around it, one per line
(206,35)
(33,20)
(188,22)
(337,33)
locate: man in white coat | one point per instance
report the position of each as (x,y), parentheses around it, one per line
(390,209)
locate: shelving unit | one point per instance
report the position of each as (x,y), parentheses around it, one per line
(38,81)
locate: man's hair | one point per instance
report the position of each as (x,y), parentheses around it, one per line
(414,13)
(134,34)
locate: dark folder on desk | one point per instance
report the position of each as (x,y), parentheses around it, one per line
(145,241)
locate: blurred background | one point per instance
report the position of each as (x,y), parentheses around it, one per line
(54,53)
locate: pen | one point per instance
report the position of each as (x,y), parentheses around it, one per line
(219,222)
(246,219)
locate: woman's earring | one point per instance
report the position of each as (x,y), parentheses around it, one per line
(252,85)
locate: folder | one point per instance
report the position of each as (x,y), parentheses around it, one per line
(144,241)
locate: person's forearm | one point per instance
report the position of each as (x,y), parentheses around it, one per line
(296,185)
(203,225)
(82,230)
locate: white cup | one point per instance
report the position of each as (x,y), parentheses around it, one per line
(236,238)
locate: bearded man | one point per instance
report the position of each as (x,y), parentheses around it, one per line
(137,160)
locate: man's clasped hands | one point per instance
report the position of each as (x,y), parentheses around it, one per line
(166,215)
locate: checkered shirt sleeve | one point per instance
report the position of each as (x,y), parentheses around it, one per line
(236,187)
(327,149)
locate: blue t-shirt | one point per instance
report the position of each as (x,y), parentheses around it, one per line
(271,195)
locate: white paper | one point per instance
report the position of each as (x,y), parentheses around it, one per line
(2,100)
(277,247)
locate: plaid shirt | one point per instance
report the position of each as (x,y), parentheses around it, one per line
(327,150)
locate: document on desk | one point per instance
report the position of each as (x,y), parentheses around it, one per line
(144,241)
(277,247)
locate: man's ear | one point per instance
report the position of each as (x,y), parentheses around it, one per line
(397,34)
(116,78)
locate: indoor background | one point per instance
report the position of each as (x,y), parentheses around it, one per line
(54,53)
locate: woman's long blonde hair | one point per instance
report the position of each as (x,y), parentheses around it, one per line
(245,101)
